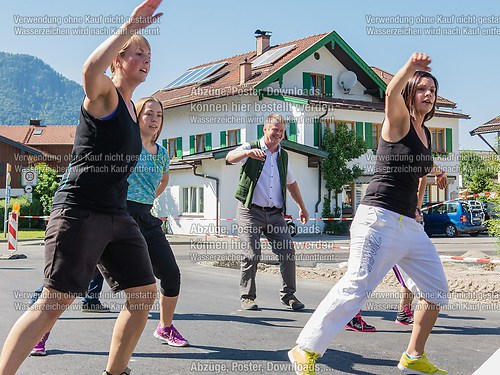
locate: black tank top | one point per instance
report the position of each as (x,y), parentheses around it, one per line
(104,153)
(398,167)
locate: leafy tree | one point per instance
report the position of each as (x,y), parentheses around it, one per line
(46,187)
(477,172)
(342,146)
(493,224)
(481,182)
(468,162)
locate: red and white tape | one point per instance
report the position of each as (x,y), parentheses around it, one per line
(447,258)
(329,245)
(232,219)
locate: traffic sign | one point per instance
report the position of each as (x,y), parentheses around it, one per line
(28,188)
(29,177)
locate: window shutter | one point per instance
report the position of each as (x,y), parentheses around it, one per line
(359,129)
(208,142)
(293,131)
(316,133)
(238,137)
(165,144)
(369,135)
(223,138)
(191,144)
(260,131)
(306,80)
(179,147)
(328,86)
(449,140)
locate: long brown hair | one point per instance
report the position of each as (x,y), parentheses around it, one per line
(411,89)
(139,106)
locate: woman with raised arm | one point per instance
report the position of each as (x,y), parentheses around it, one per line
(384,231)
(89,224)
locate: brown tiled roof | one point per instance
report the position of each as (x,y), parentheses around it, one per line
(14,132)
(228,83)
(50,135)
(491,126)
(494,121)
(386,77)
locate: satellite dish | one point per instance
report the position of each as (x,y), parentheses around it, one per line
(347,80)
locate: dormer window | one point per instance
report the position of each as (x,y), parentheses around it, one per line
(317,84)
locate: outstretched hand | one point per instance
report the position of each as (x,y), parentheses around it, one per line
(419,61)
(144,15)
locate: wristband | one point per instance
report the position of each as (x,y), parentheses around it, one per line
(441,174)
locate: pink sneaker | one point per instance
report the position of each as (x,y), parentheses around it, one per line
(39,349)
(359,325)
(170,335)
(405,316)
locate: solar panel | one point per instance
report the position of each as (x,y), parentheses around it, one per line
(271,56)
(195,75)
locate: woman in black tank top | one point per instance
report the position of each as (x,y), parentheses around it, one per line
(89,223)
(384,231)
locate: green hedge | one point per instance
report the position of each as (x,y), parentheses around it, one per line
(32,209)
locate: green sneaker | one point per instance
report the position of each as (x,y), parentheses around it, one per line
(420,366)
(304,362)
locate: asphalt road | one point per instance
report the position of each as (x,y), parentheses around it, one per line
(227,340)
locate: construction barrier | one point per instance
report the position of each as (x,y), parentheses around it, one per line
(12,229)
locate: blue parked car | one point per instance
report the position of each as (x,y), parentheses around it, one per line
(453,218)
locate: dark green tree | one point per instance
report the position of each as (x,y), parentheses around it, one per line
(342,146)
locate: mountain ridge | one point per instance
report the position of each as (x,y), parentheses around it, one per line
(32,89)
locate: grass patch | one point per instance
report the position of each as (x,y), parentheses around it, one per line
(26,233)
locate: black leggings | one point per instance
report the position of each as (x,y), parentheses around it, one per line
(165,267)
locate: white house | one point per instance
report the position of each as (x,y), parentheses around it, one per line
(315,82)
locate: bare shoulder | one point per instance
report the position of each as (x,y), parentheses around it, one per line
(103,105)
(395,130)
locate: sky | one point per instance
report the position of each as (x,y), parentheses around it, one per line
(193,32)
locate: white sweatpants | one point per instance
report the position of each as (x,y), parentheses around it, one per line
(379,239)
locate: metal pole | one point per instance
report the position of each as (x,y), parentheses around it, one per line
(7,196)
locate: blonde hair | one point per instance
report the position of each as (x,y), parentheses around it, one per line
(134,39)
(139,107)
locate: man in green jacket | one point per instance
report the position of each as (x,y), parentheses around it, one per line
(264,178)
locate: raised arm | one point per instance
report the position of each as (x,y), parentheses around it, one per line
(238,154)
(397,117)
(97,85)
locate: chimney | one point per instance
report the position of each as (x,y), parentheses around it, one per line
(263,41)
(35,122)
(245,71)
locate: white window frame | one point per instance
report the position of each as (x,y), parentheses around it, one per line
(193,200)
